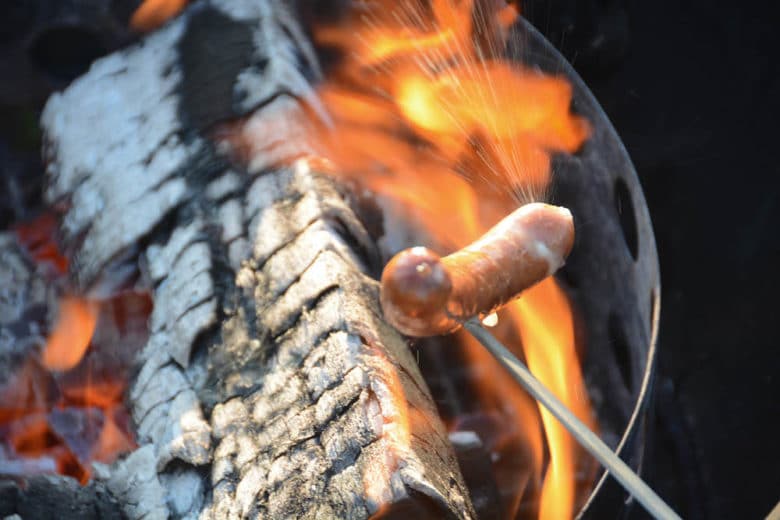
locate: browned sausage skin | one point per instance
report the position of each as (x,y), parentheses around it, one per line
(423,294)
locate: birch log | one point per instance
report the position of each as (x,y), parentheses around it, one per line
(270,386)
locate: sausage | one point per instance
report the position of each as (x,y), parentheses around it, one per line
(423,294)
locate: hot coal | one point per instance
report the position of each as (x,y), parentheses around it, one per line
(60,421)
(78,428)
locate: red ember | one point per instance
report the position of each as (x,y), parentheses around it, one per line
(63,409)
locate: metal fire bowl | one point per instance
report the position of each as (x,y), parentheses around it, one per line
(612,273)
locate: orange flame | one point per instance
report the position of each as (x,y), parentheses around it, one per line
(520,431)
(418,96)
(70,338)
(425,109)
(30,402)
(151,14)
(544,321)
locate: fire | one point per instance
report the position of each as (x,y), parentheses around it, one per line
(151,14)
(544,321)
(428,113)
(412,74)
(517,443)
(63,410)
(36,237)
(70,338)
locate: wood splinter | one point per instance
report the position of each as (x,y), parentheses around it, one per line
(423,294)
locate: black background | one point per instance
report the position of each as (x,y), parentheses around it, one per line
(693,89)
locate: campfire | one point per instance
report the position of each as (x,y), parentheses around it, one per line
(212,341)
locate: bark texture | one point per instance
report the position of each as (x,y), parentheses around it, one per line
(270,386)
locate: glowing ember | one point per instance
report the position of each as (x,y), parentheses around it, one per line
(70,338)
(427,112)
(62,411)
(151,14)
(36,237)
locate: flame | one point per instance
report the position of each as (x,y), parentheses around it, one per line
(426,111)
(416,93)
(544,321)
(520,432)
(151,14)
(70,338)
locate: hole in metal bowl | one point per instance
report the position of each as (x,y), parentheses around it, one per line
(65,53)
(625,210)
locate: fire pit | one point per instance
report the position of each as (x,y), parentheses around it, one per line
(238,185)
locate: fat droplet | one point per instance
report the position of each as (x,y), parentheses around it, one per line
(491,320)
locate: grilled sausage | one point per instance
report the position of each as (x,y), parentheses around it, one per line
(423,294)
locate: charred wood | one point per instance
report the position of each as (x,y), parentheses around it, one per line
(49,497)
(270,385)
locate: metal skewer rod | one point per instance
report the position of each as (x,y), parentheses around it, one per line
(587,439)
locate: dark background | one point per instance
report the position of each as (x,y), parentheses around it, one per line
(693,88)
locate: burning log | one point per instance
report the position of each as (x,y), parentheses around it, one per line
(269,385)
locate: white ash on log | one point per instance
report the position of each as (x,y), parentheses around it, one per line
(24,300)
(270,386)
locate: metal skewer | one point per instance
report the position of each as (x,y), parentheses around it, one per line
(587,439)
